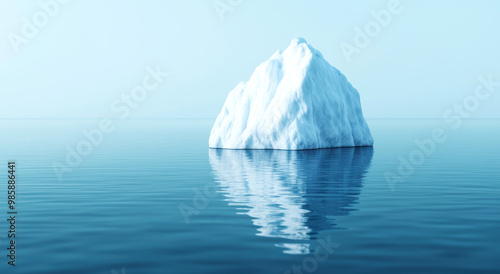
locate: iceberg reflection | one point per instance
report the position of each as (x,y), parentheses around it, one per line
(292,195)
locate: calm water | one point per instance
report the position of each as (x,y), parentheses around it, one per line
(152,198)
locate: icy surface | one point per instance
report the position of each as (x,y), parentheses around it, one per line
(295,100)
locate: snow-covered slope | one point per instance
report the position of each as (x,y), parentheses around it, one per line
(295,100)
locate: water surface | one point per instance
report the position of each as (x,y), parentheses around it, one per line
(152,198)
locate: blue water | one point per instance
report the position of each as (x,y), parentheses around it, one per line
(152,198)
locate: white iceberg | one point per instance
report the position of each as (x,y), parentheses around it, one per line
(295,100)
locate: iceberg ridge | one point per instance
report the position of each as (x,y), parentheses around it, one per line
(295,100)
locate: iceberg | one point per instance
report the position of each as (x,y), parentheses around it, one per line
(295,100)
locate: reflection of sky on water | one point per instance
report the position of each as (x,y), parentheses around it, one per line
(292,195)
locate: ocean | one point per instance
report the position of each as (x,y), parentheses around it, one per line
(149,196)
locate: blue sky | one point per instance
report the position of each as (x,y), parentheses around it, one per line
(427,58)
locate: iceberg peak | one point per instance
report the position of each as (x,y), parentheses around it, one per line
(299,40)
(295,100)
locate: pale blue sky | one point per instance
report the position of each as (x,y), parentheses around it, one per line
(428,58)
